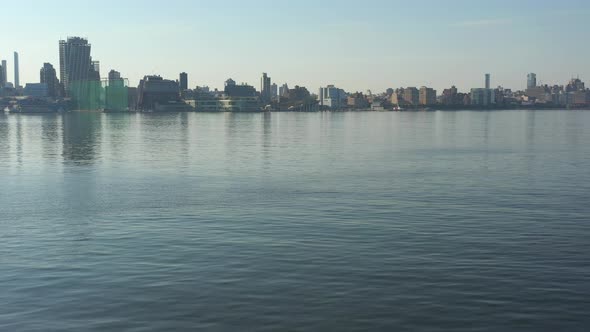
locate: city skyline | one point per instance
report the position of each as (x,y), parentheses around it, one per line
(218,41)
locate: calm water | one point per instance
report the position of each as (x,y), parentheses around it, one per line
(462,221)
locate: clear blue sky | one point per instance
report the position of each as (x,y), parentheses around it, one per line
(357,45)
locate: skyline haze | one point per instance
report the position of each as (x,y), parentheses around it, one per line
(383,44)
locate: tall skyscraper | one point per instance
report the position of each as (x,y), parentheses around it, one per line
(4,77)
(74,61)
(2,83)
(16,72)
(531,81)
(274,91)
(183,81)
(48,75)
(488,84)
(265,93)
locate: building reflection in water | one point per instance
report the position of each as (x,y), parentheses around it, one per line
(81,137)
(4,136)
(51,128)
(115,132)
(266,140)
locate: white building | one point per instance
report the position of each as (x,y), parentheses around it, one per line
(332,97)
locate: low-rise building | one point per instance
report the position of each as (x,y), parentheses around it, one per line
(482,97)
(541,94)
(225,104)
(239,90)
(580,98)
(357,100)
(36,90)
(159,95)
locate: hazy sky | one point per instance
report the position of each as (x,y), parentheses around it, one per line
(356,45)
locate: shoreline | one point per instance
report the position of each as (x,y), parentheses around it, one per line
(323,111)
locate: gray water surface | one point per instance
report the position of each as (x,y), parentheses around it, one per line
(439,221)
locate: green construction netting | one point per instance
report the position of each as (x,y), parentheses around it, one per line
(110,95)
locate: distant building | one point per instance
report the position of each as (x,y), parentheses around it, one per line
(427,96)
(74,61)
(397,97)
(357,100)
(482,97)
(225,104)
(265,93)
(411,96)
(242,90)
(284,90)
(579,98)
(8,90)
(116,93)
(183,81)
(575,84)
(274,90)
(16,71)
(531,81)
(235,98)
(132,98)
(158,94)
(332,97)
(377,105)
(299,93)
(94,71)
(2,80)
(541,94)
(36,90)
(451,97)
(499,95)
(4,77)
(114,75)
(488,81)
(48,76)
(467,99)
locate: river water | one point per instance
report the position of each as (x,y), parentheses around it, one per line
(424,221)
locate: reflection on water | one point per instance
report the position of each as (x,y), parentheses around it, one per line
(81,137)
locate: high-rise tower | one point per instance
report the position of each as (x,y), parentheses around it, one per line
(4,77)
(2,83)
(74,61)
(183,81)
(531,81)
(488,84)
(265,93)
(16,72)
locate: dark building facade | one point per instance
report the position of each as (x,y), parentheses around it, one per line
(234,90)
(48,75)
(183,81)
(265,92)
(155,91)
(114,75)
(2,75)
(74,61)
